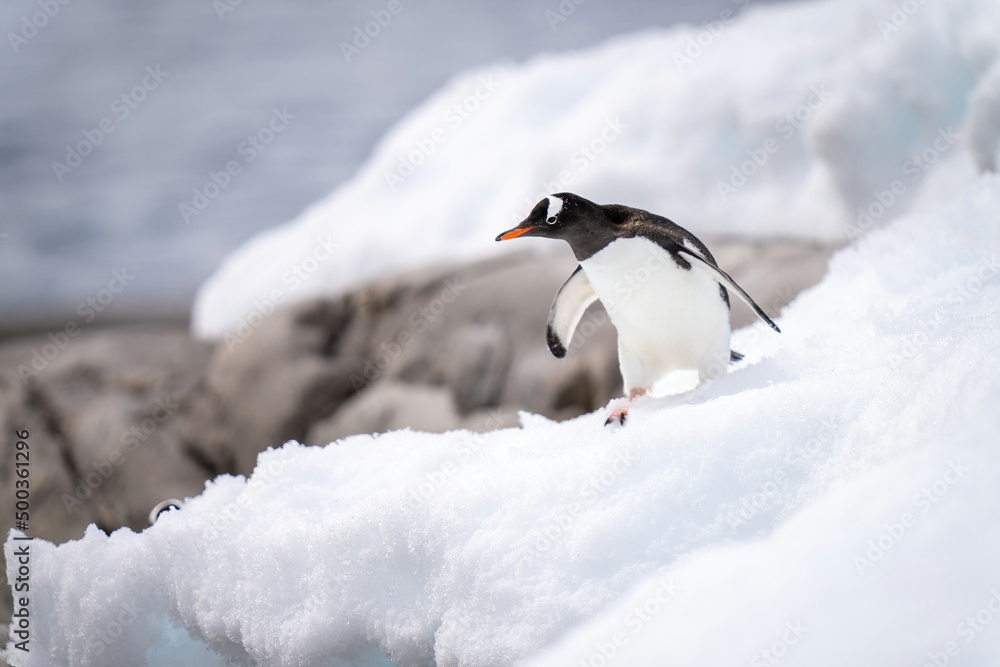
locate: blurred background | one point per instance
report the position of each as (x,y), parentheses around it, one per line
(166,169)
(225,65)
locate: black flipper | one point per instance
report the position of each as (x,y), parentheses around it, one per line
(571,301)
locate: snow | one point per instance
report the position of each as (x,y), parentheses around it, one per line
(831,498)
(783,121)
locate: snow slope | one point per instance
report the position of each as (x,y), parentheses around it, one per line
(831,500)
(773,121)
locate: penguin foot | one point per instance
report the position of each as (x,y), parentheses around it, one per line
(618,415)
(621,412)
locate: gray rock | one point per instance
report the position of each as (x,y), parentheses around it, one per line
(390,405)
(122,419)
(772,272)
(103,417)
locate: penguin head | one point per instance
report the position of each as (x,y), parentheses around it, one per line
(578,221)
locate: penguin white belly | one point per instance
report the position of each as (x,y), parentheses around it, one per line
(667,317)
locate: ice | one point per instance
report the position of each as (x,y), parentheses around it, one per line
(774,121)
(752,500)
(831,500)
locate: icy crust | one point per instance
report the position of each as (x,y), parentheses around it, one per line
(815,120)
(831,500)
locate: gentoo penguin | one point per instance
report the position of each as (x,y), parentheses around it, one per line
(660,285)
(164,506)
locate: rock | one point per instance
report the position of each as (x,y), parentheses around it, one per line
(103,418)
(772,272)
(473,332)
(271,385)
(122,419)
(391,405)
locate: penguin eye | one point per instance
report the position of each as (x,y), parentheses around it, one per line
(551,220)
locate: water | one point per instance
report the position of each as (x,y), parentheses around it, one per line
(199,80)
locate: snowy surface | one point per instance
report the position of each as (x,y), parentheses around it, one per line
(769,121)
(831,500)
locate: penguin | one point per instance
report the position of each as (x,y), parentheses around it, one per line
(164,506)
(660,285)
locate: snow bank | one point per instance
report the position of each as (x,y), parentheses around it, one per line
(832,500)
(777,121)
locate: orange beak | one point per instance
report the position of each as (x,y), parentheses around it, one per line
(514,233)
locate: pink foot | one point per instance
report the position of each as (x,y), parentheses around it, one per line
(621,412)
(617,415)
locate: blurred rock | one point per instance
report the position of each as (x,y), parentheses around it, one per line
(466,334)
(121,419)
(390,405)
(772,272)
(103,417)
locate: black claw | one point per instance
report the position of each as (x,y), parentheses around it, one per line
(620,419)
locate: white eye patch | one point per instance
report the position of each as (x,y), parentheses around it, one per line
(555,205)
